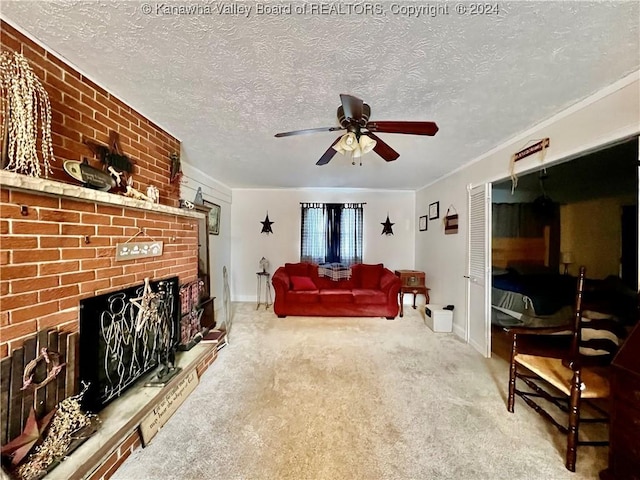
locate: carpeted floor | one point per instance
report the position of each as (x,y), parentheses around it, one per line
(306,398)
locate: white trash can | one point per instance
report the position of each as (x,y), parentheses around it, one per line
(438,319)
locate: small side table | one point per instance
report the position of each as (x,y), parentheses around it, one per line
(263,277)
(413,281)
(416,291)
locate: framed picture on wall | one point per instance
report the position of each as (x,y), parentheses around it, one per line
(434,210)
(422,224)
(214,218)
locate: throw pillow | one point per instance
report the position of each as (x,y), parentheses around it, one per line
(370,275)
(602,335)
(302,283)
(297,269)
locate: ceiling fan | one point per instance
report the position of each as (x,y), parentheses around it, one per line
(353,116)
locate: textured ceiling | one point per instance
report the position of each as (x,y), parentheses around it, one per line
(225,84)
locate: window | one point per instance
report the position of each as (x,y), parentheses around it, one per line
(331,232)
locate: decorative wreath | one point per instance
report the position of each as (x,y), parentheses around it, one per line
(50,357)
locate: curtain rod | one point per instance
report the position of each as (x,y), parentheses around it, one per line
(331,203)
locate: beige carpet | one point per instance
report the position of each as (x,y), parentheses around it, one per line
(306,398)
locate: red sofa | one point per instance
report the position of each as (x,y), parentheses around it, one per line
(372,291)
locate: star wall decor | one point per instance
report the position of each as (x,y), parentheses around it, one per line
(387,230)
(115,161)
(266,225)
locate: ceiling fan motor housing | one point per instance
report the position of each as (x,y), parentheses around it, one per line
(351,124)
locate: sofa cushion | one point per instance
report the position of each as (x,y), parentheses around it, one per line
(369,276)
(336,296)
(298,269)
(369,295)
(303,296)
(302,283)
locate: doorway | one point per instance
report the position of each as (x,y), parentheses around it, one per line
(580,212)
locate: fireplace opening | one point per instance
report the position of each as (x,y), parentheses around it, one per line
(124,335)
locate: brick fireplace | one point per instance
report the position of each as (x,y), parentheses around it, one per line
(63,250)
(57,249)
(58,239)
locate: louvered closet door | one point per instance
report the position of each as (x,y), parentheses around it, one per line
(479,281)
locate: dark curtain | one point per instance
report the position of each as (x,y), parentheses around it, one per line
(529,220)
(552,216)
(313,245)
(519,220)
(351,237)
(334,211)
(331,233)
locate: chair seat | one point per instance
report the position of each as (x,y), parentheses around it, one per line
(595,384)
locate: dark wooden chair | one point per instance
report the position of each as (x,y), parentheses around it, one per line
(574,361)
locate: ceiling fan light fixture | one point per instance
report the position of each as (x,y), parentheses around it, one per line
(366,144)
(348,143)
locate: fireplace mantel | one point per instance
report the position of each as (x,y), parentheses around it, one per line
(55,188)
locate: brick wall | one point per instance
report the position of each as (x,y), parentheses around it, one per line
(83,110)
(46,266)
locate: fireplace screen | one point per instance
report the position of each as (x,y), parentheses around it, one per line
(124,334)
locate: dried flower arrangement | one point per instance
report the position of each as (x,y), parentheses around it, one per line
(24,102)
(69,427)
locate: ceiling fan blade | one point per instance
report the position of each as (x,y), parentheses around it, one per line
(411,128)
(328,155)
(352,106)
(384,150)
(308,130)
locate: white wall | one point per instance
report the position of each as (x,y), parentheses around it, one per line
(609,115)
(249,245)
(219,245)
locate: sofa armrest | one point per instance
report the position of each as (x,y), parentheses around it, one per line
(280,281)
(389,282)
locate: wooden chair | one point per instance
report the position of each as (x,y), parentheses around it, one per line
(545,356)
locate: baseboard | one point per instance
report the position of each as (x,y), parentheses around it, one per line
(244,298)
(477,347)
(407,300)
(459,331)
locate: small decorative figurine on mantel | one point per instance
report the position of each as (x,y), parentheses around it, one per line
(133,193)
(153,194)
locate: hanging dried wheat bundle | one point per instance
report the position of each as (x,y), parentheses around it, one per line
(69,424)
(24,102)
